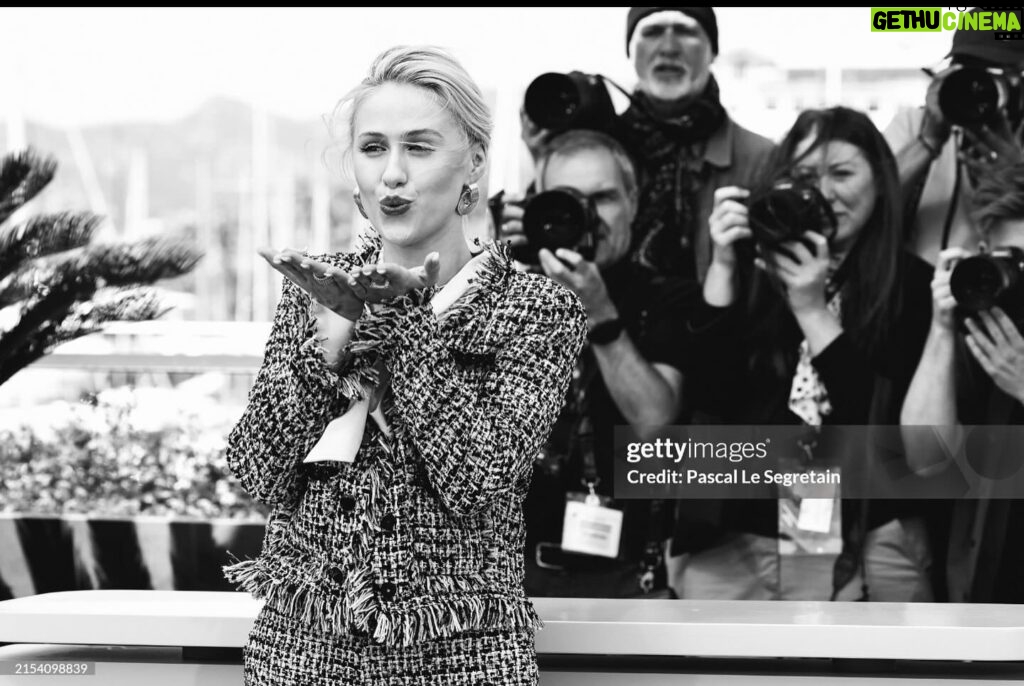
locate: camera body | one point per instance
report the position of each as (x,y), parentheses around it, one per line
(557,218)
(983,281)
(972,96)
(560,102)
(786,210)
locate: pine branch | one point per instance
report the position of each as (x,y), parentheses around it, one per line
(116,304)
(118,264)
(145,261)
(39,321)
(22,176)
(45,235)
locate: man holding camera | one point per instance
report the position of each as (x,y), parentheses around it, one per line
(972,374)
(971,121)
(628,374)
(680,137)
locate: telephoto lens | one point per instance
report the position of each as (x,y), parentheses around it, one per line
(786,211)
(972,95)
(983,281)
(559,218)
(560,102)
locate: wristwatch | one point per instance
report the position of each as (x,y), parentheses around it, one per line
(606,332)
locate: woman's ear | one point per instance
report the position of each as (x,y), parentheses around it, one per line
(477,162)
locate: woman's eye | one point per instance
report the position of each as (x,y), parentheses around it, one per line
(371,148)
(418,148)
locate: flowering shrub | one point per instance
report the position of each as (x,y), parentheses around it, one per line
(126,452)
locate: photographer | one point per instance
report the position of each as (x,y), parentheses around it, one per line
(681,139)
(971,120)
(972,373)
(807,323)
(629,373)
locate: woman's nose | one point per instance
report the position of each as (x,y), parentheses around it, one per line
(394,173)
(827,188)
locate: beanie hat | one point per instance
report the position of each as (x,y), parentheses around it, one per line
(984,45)
(705,16)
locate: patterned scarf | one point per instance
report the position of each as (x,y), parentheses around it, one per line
(671,168)
(808,397)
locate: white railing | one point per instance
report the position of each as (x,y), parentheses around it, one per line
(165,345)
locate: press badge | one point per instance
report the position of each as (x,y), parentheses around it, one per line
(590,526)
(810,517)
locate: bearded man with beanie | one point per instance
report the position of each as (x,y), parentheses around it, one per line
(682,141)
(682,138)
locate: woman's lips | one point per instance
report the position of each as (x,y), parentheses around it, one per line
(395,207)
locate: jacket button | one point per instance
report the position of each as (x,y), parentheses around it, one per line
(387,591)
(336,575)
(387,522)
(347,503)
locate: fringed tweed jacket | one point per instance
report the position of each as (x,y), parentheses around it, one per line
(421,536)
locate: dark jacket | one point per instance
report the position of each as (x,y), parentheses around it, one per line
(740,378)
(421,536)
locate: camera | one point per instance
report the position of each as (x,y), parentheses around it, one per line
(788,209)
(558,218)
(973,95)
(993,278)
(570,101)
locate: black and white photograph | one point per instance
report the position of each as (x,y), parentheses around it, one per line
(505,346)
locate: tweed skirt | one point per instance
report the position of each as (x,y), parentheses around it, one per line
(281,651)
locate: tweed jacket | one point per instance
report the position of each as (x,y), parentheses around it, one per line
(421,536)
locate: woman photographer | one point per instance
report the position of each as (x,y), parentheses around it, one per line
(796,330)
(972,375)
(406,388)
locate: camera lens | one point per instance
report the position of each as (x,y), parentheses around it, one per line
(970,96)
(788,210)
(979,282)
(559,218)
(569,101)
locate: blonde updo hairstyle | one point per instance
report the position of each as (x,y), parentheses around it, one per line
(428,67)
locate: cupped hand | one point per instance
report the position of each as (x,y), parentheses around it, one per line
(377,283)
(325,283)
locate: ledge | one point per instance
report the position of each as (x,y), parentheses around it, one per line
(668,628)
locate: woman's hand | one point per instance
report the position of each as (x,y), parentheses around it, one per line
(728,223)
(802,266)
(376,283)
(998,347)
(943,302)
(328,285)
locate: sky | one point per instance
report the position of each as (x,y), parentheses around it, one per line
(81,66)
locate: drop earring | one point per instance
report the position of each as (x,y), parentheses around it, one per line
(468,199)
(359,203)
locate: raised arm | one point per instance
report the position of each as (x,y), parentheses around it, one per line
(294,396)
(477,424)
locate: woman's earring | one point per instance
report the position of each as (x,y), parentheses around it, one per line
(468,199)
(359,203)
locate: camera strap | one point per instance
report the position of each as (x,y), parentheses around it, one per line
(947,227)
